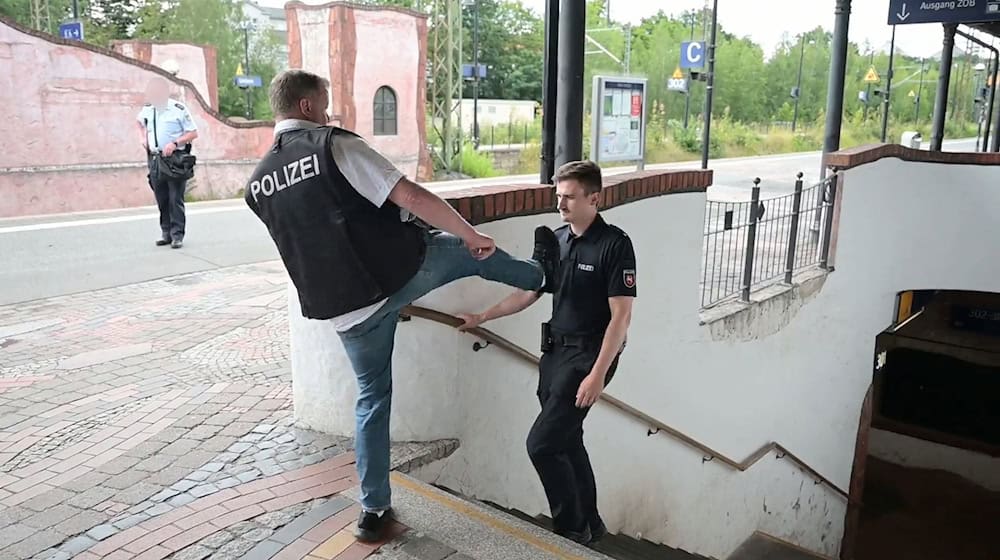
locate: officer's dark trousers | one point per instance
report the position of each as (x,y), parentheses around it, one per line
(170,200)
(555,442)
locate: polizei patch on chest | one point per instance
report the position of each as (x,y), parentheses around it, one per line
(286,176)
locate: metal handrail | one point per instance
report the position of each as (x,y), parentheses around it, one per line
(656,426)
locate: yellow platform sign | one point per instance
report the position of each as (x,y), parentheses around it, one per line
(872,76)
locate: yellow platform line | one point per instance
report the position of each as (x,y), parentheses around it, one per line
(457,505)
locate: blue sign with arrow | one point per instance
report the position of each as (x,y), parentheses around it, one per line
(71,30)
(903,12)
(247,81)
(693,54)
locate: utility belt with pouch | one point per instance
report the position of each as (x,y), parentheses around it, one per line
(178,166)
(551,340)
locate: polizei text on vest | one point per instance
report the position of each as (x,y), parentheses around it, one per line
(287,176)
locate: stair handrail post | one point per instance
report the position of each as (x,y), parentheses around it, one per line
(751,240)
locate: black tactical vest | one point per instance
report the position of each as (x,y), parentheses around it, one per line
(341,251)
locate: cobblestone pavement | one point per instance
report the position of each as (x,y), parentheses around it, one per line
(154,421)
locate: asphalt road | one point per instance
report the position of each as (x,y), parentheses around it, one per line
(62,254)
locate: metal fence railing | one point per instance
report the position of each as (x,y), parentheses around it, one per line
(751,244)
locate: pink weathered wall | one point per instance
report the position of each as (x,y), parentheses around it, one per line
(388,54)
(197,63)
(72,109)
(359,49)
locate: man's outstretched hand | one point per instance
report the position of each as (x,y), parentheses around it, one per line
(481,246)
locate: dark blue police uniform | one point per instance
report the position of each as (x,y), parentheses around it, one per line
(595,266)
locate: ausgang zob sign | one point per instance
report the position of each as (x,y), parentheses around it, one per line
(940,11)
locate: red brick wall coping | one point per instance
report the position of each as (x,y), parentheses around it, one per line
(485,204)
(853,157)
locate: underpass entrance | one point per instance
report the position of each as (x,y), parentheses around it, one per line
(926,481)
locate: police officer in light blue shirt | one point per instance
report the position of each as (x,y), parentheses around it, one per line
(166,127)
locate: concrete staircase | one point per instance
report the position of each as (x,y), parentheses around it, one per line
(620,547)
(443,526)
(761,546)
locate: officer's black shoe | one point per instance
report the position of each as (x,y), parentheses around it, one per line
(582,537)
(371,526)
(176,244)
(162,241)
(547,254)
(598,530)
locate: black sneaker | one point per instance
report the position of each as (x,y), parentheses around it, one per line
(177,244)
(162,241)
(547,254)
(371,526)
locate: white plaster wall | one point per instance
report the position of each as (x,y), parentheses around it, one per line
(798,378)
(324,389)
(907,451)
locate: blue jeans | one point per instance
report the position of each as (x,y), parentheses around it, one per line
(369,347)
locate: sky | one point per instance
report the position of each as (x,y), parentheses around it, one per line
(756,19)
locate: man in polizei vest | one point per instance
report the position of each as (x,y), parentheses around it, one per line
(352,232)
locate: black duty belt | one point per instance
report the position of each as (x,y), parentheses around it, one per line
(552,338)
(577,340)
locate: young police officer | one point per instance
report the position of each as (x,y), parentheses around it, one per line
(591,310)
(341,217)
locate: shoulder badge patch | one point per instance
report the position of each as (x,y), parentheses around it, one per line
(628,277)
(180,106)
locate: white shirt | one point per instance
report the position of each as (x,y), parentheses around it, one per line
(172,121)
(371,174)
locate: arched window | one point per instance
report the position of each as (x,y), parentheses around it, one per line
(385,112)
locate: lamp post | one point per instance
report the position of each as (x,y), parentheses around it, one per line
(706,133)
(474,4)
(920,91)
(978,101)
(798,81)
(693,17)
(246,26)
(887,96)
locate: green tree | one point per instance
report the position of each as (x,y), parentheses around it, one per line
(511,46)
(217,23)
(117,17)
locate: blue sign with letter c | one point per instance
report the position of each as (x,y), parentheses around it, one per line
(693,54)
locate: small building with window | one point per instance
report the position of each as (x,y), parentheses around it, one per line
(375,59)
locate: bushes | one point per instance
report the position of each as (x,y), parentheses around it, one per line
(668,141)
(687,139)
(531,157)
(734,138)
(475,164)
